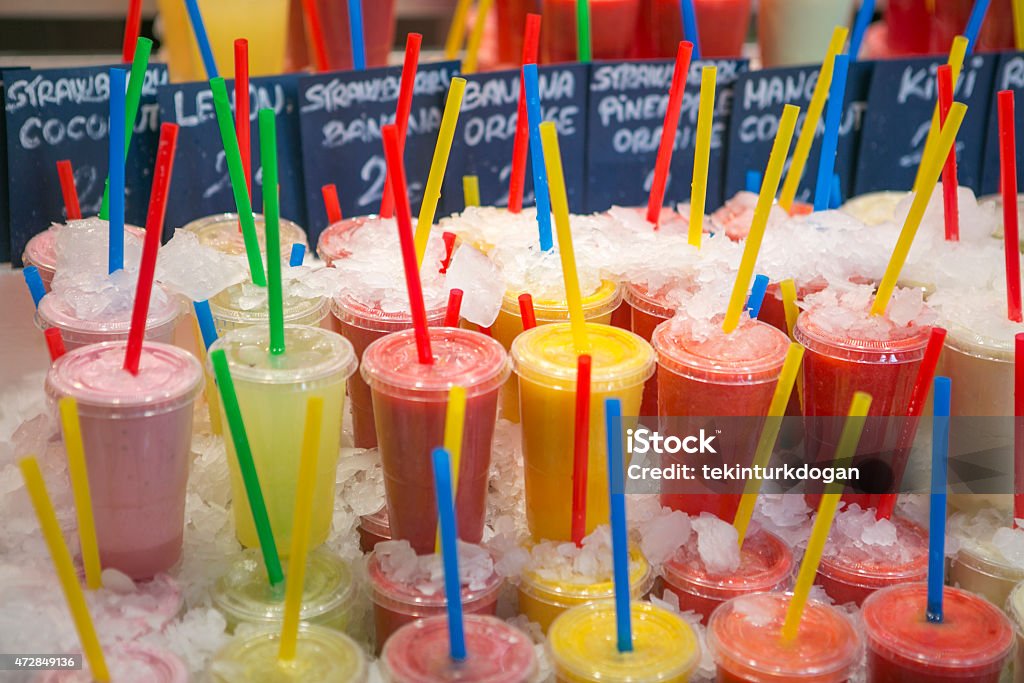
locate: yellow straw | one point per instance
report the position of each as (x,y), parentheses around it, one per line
(301,523)
(454,421)
(473,46)
(777,159)
(560,207)
(457,30)
(1018,24)
(432,193)
(702,154)
(470,190)
(956,60)
(826,512)
(810,125)
(933,167)
(769,434)
(80,488)
(65,569)
(788,289)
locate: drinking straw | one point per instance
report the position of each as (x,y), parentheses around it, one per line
(668,132)
(449,553)
(830,141)
(788,290)
(451,313)
(470,191)
(331,203)
(454,427)
(457,29)
(581,450)
(541,189)
(848,440)
(443,147)
(773,172)
(560,203)
(402,110)
(115,251)
(242,108)
(950,202)
(61,557)
(974,23)
(236,172)
(702,154)
(449,247)
(756,298)
(769,434)
(1018,432)
(298,255)
(688,14)
(520,144)
(932,165)
(202,40)
(620,549)
(396,170)
(526,311)
(205,320)
(54,343)
(35,284)
(132,26)
(583,43)
(469,63)
(957,53)
(272,224)
(79,475)
(937,501)
(302,521)
(1018,24)
(68,190)
(250,478)
(810,124)
(356,33)
(1008,176)
(753,183)
(151,244)
(860,27)
(316,34)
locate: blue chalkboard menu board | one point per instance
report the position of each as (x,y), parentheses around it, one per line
(1009,76)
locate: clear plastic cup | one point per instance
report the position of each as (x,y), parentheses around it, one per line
(221,231)
(410,400)
(544,359)
(333,243)
(321,656)
(972,643)
(583,647)
(495,653)
(745,639)
(649,309)
(41,251)
(724,25)
(1015,608)
(272,395)
(127,662)
(982,571)
(766,565)
(373,529)
(244,596)
(232,309)
(378,30)
(137,433)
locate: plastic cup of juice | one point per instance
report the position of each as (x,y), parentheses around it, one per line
(334,243)
(972,643)
(495,653)
(649,309)
(612,29)
(984,571)
(221,232)
(378,32)
(544,359)
(794,32)
(1015,608)
(245,305)
(745,639)
(321,656)
(373,529)
(126,662)
(41,250)
(766,565)
(137,433)
(244,596)
(582,643)
(272,394)
(723,28)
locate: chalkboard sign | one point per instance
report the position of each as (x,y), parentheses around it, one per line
(341,115)
(487,127)
(201,185)
(759,98)
(56,114)
(1009,76)
(5,209)
(625,114)
(899,113)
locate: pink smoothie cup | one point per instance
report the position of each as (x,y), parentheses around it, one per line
(128,663)
(332,245)
(41,251)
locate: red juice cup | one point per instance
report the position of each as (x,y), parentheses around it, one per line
(378,32)
(723,26)
(972,643)
(373,529)
(512,17)
(648,311)
(612,28)
(410,400)
(766,565)
(909,24)
(333,243)
(745,639)
(950,20)
(137,433)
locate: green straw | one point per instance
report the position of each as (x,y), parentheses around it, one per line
(583,52)
(244,454)
(143,46)
(238,185)
(271,219)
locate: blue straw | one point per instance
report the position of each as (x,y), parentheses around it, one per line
(202,39)
(754,179)
(115,221)
(206,326)
(355,30)
(830,142)
(937,508)
(540,174)
(449,552)
(860,27)
(975,22)
(35,284)
(297,255)
(836,196)
(757,291)
(690,33)
(620,548)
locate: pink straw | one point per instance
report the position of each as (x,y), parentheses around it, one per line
(521,143)
(950,201)
(451,314)
(1008,175)
(668,132)
(402,110)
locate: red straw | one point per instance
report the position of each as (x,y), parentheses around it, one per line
(402,110)
(526,311)
(950,202)
(486,331)
(1008,174)
(449,249)
(54,342)
(67,188)
(918,396)
(521,144)
(668,132)
(132,26)
(316,33)
(581,450)
(1018,429)
(154,226)
(242,108)
(396,171)
(451,314)
(331,203)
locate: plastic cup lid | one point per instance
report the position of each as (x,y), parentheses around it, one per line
(351,311)
(324,654)
(55,311)
(654,303)
(220,231)
(386,590)
(906,345)
(332,244)
(765,562)
(751,354)
(601,302)
(225,306)
(311,353)
(641,578)
(128,661)
(853,563)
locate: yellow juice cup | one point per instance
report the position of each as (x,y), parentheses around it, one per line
(544,360)
(583,646)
